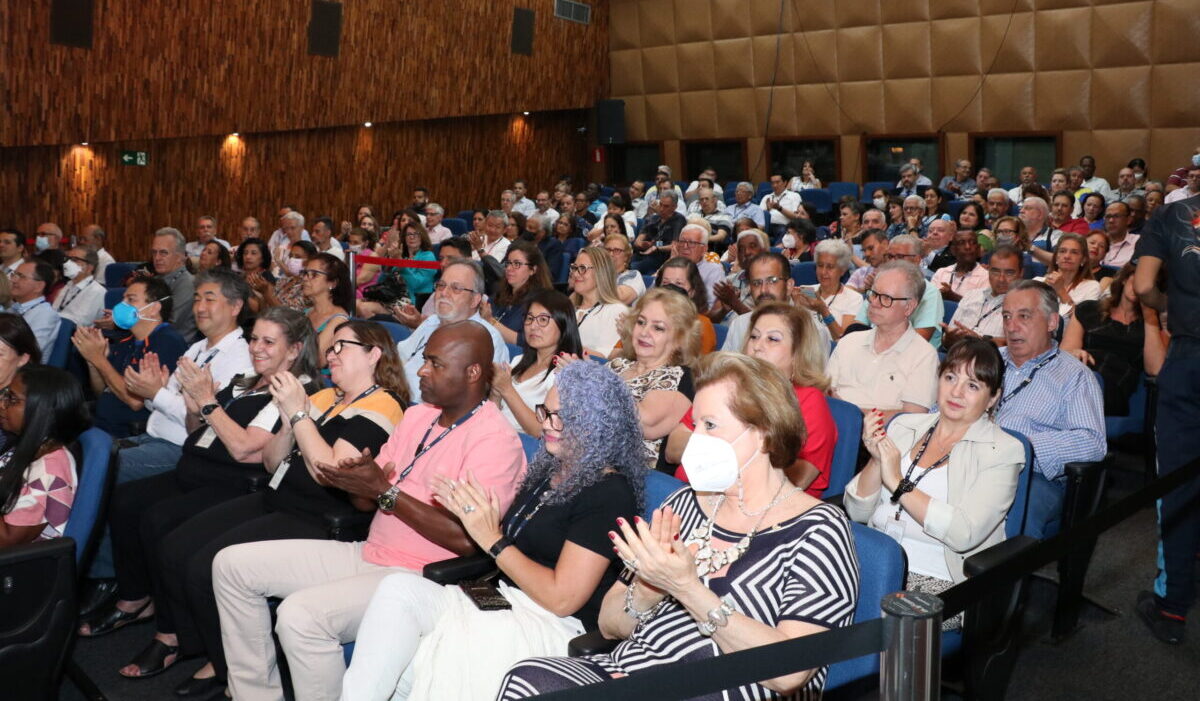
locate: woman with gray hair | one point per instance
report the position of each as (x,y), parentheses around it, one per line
(830,301)
(554,559)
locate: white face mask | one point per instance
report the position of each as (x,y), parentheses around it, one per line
(294,265)
(71,269)
(789,241)
(711,463)
(42,243)
(880,204)
(356,247)
(1196,160)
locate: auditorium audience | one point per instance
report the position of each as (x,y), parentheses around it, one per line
(967,273)
(1097,246)
(415,246)
(1049,396)
(598,305)
(457,297)
(692,244)
(769,281)
(743,208)
(630,284)
(1062,207)
(327,289)
(41,412)
(874,244)
(941,484)
(288,290)
(1119,338)
(784,336)
(525,274)
(659,231)
(549,333)
(326,585)
(832,302)
(139,319)
(168,259)
(491,241)
(82,299)
(550,547)
(927,318)
(30,282)
(662,609)
(660,339)
(18,348)
(978,313)
(1121,241)
(733,294)
(206,231)
(890,368)
(253,257)
(681,274)
(1091,205)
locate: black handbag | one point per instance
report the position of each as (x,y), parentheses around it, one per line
(388,290)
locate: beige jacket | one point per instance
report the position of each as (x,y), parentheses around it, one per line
(982,482)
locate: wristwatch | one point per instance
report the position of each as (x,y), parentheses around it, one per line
(499,546)
(298,417)
(387,500)
(903,488)
(208,409)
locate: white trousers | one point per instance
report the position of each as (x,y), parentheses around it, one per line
(405,608)
(325,586)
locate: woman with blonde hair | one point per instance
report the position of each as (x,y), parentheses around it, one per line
(660,339)
(598,306)
(783,335)
(1070,274)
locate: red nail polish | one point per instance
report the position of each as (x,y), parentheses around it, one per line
(676,536)
(637,519)
(612,536)
(621,521)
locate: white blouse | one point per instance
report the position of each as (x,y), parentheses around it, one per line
(1085,291)
(598,326)
(925,553)
(532,391)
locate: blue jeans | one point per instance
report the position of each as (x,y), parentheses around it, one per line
(148,456)
(1044,515)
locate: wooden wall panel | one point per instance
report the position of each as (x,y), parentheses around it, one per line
(194,67)
(464,162)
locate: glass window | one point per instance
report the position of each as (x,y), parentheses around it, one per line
(629,162)
(1006,156)
(791,155)
(728,158)
(885,156)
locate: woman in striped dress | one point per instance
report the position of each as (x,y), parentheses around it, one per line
(738,560)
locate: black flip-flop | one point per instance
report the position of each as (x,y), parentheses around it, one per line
(152,660)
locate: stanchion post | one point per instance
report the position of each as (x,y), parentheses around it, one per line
(350,256)
(910,666)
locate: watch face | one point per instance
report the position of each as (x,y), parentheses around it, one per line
(386,502)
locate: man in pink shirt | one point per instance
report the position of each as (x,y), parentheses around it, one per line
(326,585)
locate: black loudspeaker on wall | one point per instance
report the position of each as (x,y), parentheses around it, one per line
(610,122)
(522,31)
(325,28)
(71,23)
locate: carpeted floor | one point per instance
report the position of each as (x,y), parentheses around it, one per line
(1107,658)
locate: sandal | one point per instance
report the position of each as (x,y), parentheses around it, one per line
(152,660)
(105,622)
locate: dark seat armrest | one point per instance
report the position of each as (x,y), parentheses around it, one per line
(458,569)
(257,482)
(348,526)
(1079,470)
(985,560)
(836,500)
(590,643)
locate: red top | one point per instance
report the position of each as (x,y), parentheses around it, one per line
(822,436)
(1076,226)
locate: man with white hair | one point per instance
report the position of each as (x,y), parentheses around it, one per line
(889,368)
(206,231)
(492,242)
(710,206)
(292,231)
(1035,213)
(927,316)
(960,184)
(507,200)
(457,296)
(1028,177)
(692,243)
(914,218)
(49,236)
(743,208)
(908,184)
(996,205)
(279,238)
(434,213)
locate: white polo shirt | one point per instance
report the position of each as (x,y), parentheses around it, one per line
(906,372)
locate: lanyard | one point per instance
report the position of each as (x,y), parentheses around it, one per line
(422,448)
(515,524)
(588,313)
(78,291)
(1027,380)
(366,393)
(243,395)
(986,314)
(921,453)
(829,302)
(208,359)
(420,348)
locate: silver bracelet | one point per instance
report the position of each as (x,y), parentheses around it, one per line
(639,616)
(718,617)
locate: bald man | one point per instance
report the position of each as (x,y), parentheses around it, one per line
(327,585)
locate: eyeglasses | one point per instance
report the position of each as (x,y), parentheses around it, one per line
(542,320)
(453,288)
(615,251)
(515,264)
(10,398)
(885,301)
(310,273)
(1010,232)
(759,282)
(900,256)
(579,269)
(543,414)
(688,244)
(340,345)
(1005,274)
(20,276)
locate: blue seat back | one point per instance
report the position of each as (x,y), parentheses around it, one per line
(457,226)
(948,309)
(659,486)
(881,571)
(870,187)
(514,350)
(804,273)
(838,190)
(648,281)
(1014,525)
(398,331)
(562,268)
(953,207)
(91,490)
(530,444)
(62,344)
(722,331)
(1135,422)
(573,246)
(1034,269)
(112,296)
(115,273)
(466,215)
(819,198)
(848,419)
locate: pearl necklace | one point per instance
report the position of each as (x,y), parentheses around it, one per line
(709,560)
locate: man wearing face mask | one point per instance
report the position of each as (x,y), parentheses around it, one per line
(770,280)
(82,299)
(49,236)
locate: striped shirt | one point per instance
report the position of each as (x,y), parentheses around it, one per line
(1060,410)
(803,569)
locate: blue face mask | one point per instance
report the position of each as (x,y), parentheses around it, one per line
(126,316)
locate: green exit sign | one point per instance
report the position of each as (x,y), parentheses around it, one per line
(135,158)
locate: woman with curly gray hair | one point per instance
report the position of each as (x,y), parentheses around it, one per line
(551,549)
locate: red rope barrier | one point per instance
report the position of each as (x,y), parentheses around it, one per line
(399,262)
